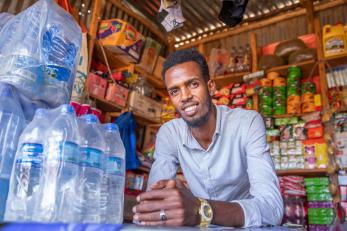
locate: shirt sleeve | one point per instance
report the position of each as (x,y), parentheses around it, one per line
(266,205)
(165,156)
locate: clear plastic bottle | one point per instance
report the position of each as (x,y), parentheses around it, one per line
(12,123)
(92,152)
(58,184)
(61,42)
(114,179)
(20,52)
(27,169)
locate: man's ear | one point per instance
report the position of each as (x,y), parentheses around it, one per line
(211,86)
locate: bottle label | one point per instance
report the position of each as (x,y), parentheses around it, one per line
(31,153)
(69,152)
(91,157)
(57,72)
(114,166)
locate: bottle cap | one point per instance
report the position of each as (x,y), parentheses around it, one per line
(67,108)
(90,118)
(111,127)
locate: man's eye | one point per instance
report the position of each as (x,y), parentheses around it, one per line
(194,84)
(173,92)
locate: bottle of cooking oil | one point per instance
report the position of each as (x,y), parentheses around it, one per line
(334,40)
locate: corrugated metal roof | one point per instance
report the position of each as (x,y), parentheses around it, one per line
(202,15)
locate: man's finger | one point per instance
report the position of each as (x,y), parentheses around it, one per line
(154,216)
(172,223)
(151,206)
(159,184)
(156,194)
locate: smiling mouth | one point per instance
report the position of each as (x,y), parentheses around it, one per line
(190,110)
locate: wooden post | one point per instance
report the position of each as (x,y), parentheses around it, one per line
(201,48)
(253,44)
(93,29)
(321,65)
(308,4)
(171,45)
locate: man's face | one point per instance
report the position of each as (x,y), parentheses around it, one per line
(189,93)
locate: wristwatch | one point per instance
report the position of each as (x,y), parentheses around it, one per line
(205,212)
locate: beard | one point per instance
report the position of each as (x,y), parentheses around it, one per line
(202,120)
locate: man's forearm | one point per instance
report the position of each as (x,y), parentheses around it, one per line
(227,214)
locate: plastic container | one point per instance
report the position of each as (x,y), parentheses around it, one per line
(12,123)
(27,170)
(92,153)
(334,40)
(114,175)
(58,185)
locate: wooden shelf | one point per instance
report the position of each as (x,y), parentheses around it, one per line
(302,172)
(105,105)
(118,61)
(153,80)
(306,68)
(337,60)
(223,80)
(138,117)
(287,115)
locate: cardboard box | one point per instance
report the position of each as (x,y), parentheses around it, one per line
(150,55)
(96,85)
(145,106)
(159,67)
(122,39)
(117,94)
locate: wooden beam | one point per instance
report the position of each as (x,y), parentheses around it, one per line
(93,29)
(253,44)
(308,4)
(321,65)
(150,25)
(263,23)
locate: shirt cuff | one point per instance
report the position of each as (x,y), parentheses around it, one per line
(251,213)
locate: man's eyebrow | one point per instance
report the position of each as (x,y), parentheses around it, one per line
(185,83)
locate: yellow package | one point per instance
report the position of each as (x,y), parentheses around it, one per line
(121,38)
(321,155)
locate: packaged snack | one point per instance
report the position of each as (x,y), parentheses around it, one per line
(299,131)
(286,133)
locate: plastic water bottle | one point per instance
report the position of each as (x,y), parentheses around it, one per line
(114,178)
(20,53)
(92,152)
(12,123)
(27,169)
(60,172)
(61,44)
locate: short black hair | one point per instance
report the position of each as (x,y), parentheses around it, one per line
(187,55)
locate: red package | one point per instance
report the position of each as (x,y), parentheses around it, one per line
(117,94)
(238,89)
(96,85)
(239,100)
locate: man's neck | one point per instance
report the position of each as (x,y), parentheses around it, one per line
(205,133)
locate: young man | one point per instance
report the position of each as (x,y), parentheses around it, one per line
(223,155)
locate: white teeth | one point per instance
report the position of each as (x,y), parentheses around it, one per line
(190,108)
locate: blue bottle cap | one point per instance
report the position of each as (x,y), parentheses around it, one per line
(67,108)
(90,118)
(111,127)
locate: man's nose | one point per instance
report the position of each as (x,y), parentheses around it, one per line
(186,94)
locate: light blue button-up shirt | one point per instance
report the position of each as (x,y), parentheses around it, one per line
(236,166)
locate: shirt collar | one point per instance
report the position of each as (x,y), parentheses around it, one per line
(190,141)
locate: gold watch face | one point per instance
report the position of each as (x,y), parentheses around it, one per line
(207,211)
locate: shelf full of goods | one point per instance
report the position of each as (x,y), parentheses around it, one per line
(126,73)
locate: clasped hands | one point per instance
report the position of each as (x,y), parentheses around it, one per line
(167,203)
